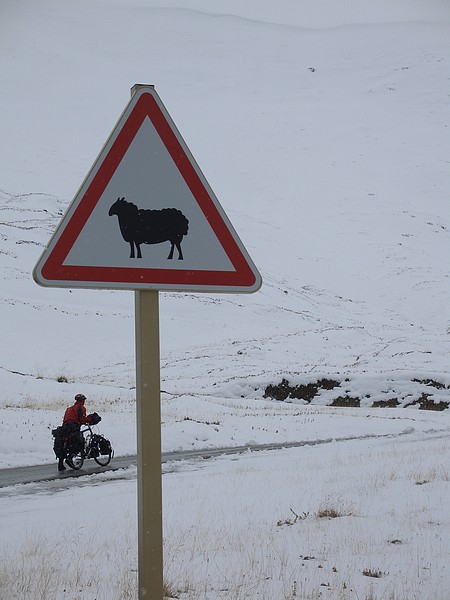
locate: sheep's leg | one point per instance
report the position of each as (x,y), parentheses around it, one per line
(171,251)
(138,246)
(131,249)
(180,253)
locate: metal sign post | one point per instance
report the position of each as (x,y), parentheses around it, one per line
(148,423)
(148,417)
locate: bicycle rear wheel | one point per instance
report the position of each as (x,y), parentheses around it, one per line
(75,461)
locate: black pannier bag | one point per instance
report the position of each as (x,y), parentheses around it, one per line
(94,449)
(58,444)
(100,445)
(75,443)
(104,445)
(94,418)
(67,439)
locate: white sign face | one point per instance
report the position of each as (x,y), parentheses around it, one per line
(158,187)
(146,218)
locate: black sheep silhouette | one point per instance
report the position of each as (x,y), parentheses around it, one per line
(142,226)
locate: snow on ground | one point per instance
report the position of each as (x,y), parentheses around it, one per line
(323,130)
(345,520)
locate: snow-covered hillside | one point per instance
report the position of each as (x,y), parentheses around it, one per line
(323,129)
(327,147)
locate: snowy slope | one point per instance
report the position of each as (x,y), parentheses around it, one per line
(326,142)
(323,130)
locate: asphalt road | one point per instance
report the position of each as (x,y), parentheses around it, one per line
(49,471)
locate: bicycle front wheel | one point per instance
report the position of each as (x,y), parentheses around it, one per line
(104,459)
(75,461)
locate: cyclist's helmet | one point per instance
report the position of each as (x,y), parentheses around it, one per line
(80,398)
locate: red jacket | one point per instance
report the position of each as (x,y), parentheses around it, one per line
(76,414)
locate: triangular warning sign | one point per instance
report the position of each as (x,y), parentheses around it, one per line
(146,218)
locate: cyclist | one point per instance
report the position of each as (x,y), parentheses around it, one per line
(74,417)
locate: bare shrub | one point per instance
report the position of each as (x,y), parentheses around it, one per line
(328,512)
(376,573)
